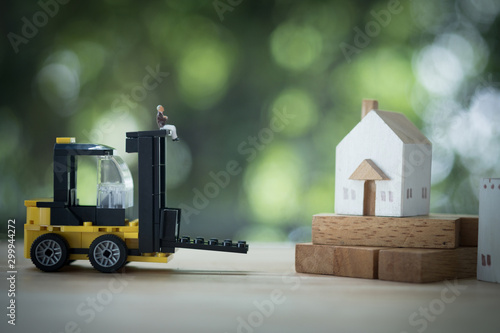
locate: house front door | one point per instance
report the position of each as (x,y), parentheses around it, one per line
(369,198)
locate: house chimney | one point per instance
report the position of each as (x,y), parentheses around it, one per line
(368,105)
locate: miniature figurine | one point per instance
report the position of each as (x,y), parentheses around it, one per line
(161,119)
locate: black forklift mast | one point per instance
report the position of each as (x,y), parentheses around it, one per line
(159,226)
(150,147)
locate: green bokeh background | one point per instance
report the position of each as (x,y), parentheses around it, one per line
(227,70)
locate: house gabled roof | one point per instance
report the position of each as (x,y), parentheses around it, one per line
(402,127)
(368,170)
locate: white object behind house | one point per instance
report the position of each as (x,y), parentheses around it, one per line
(383,167)
(488,249)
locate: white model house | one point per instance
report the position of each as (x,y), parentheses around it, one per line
(488,246)
(383,166)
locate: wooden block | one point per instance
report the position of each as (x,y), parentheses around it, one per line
(356,261)
(427,265)
(349,261)
(488,261)
(314,259)
(468,231)
(416,232)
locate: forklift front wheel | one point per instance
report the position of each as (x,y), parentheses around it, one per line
(49,252)
(108,253)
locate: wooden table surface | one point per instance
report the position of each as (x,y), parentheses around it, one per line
(201,291)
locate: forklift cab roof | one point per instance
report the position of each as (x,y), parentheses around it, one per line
(115,185)
(65,149)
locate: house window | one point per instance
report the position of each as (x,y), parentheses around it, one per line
(353,195)
(382,195)
(391,199)
(346,194)
(485,260)
(424,192)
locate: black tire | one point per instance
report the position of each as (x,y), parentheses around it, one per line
(108,253)
(49,252)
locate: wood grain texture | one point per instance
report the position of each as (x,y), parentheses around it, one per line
(356,261)
(414,232)
(348,261)
(314,259)
(427,265)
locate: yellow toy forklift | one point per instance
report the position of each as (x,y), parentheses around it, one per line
(59,230)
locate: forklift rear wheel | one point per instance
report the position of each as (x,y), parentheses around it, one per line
(49,252)
(108,253)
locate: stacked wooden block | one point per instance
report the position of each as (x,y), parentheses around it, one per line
(408,249)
